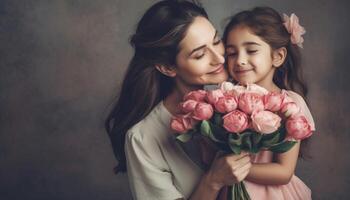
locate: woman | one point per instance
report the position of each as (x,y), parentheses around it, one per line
(176,50)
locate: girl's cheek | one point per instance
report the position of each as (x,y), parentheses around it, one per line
(230,63)
(230,66)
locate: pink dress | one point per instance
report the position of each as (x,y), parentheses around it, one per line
(295,189)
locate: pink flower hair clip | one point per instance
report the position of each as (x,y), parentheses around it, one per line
(293,27)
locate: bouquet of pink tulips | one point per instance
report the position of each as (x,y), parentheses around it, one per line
(242,118)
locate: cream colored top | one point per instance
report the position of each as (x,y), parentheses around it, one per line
(158,168)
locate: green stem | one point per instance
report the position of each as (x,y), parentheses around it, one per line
(245,192)
(238,192)
(230,192)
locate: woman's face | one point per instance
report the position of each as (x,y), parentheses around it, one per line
(200,60)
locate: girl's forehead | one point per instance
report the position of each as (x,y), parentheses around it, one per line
(243,35)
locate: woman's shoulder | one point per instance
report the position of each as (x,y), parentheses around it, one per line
(152,126)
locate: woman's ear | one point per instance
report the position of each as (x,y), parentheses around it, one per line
(167,71)
(278,56)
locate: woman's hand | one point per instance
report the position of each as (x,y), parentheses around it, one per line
(225,170)
(228,169)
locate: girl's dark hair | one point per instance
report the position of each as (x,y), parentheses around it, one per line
(267,23)
(156,42)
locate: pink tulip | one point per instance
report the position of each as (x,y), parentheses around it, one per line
(250,101)
(235,121)
(226,86)
(214,95)
(290,109)
(238,89)
(182,123)
(226,104)
(188,106)
(265,121)
(256,89)
(203,111)
(197,95)
(298,127)
(273,101)
(286,98)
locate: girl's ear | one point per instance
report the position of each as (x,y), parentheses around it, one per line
(278,56)
(167,71)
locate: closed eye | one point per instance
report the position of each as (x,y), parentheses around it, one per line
(252,51)
(217,42)
(199,57)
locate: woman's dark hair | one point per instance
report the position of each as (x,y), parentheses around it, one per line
(267,23)
(156,42)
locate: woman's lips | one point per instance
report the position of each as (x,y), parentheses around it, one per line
(218,70)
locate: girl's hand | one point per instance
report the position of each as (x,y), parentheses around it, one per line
(228,169)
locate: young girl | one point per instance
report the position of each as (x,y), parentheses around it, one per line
(263,48)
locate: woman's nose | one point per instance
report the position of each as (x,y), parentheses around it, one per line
(218,55)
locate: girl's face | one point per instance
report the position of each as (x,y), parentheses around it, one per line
(201,59)
(249,58)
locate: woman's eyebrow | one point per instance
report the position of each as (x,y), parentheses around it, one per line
(196,49)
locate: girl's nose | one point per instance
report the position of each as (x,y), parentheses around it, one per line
(241,60)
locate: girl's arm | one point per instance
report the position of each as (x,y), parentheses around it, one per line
(278,172)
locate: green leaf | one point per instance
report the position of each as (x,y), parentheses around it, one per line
(185,137)
(283,133)
(205,128)
(206,131)
(246,141)
(218,119)
(270,139)
(282,146)
(270,135)
(247,137)
(256,138)
(218,132)
(235,142)
(235,139)
(235,149)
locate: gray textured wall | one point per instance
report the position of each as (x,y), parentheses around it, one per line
(62,61)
